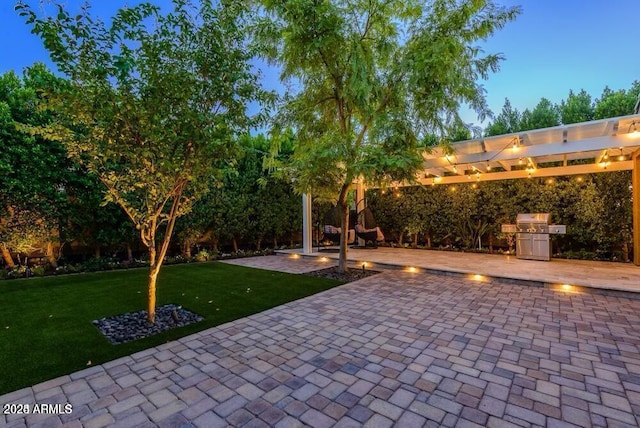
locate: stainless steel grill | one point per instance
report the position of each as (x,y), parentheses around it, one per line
(532,235)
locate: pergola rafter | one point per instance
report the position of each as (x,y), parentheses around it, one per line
(605,144)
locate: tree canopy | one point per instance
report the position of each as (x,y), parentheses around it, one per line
(373,78)
(153,104)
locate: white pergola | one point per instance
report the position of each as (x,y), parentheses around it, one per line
(582,148)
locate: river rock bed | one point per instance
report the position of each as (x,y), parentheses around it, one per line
(353,274)
(133,325)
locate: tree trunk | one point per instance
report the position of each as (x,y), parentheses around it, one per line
(275,243)
(429,240)
(491,243)
(129,252)
(259,243)
(8,260)
(415,240)
(96,253)
(151,303)
(187,250)
(50,254)
(400,239)
(625,244)
(156,259)
(234,242)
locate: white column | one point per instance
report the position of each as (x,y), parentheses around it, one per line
(307,226)
(635,175)
(360,205)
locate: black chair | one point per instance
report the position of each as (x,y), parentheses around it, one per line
(331,229)
(367,228)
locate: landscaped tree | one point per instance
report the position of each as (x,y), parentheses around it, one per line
(34,171)
(152,105)
(617,103)
(577,108)
(374,77)
(544,115)
(507,122)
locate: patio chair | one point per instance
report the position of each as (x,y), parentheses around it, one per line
(367,229)
(331,229)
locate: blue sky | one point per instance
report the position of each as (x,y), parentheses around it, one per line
(553,46)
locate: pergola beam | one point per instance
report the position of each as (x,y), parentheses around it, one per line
(522,173)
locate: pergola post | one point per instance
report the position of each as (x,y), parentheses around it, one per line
(307,226)
(360,205)
(636,206)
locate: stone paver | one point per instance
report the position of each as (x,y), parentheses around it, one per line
(399,348)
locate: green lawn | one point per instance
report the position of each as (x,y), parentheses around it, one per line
(45,323)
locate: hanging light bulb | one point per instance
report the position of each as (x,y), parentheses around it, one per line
(455,169)
(488,166)
(520,161)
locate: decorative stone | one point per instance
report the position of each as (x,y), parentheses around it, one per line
(133,325)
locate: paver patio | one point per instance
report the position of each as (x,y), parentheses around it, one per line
(396,348)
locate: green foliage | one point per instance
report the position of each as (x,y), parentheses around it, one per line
(34,172)
(577,108)
(153,104)
(596,209)
(617,103)
(203,256)
(544,115)
(374,78)
(249,204)
(507,122)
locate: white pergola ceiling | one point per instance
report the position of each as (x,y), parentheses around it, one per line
(602,145)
